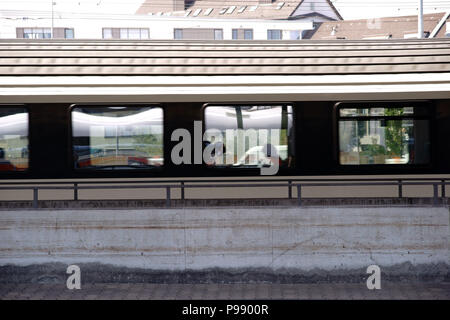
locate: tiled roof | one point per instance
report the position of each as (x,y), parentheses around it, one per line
(244,10)
(151,6)
(229,9)
(387,27)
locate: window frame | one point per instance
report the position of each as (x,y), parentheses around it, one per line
(270,31)
(426,104)
(103,33)
(69,29)
(132,28)
(29,169)
(35,34)
(216,32)
(114,171)
(251,31)
(250,169)
(235,33)
(179,31)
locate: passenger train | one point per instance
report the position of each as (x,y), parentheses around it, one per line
(149,109)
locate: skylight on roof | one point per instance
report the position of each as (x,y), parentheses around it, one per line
(241,9)
(231,9)
(280,5)
(187,13)
(253,8)
(196,12)
(208,11)
(223,10)
(159,13)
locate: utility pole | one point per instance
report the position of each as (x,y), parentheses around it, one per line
(51,36)
(420,21)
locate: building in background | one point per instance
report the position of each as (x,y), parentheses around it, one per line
(301,11)
(216,20)
(69,26)
(436,25)
(180,19)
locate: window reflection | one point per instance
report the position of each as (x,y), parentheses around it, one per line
(250,135)
(13,139)
(117,137)
(384,136)
(388,112)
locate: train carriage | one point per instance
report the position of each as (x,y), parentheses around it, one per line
(114,109)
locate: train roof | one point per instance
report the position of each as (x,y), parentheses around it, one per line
(223,69)
(43,57)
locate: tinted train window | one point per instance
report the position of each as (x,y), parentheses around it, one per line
(384,135)
(13,139)
(117,137)
(244,135)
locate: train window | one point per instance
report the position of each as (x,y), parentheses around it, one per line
(383,134)
(244,135)
(13,139)
(117,137)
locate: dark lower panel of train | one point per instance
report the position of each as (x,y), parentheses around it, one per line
(311,138)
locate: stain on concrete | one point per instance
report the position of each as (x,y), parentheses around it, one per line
(101,273)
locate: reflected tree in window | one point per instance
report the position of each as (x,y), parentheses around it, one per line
(394,133)
(379,135)
(117,137)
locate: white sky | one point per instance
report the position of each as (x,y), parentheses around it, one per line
(359,9)
(349,9)
(74,6)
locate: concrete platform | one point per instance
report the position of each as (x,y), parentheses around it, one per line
(283,241)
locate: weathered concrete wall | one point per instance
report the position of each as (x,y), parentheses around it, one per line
(228,238)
